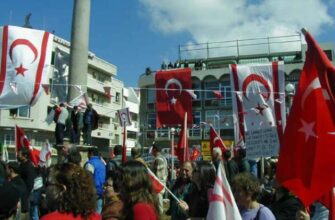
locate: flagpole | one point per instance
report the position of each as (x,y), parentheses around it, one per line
(172,153)
(185,138)
(124,150)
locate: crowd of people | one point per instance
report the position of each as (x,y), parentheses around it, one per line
(109,189)
(74,123)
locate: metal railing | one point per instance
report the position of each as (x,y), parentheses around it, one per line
(239,48)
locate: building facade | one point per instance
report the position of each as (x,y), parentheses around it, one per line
(100,75)
(210,72)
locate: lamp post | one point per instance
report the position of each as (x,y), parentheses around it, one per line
(219,126)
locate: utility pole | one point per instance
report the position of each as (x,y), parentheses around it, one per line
(79,47)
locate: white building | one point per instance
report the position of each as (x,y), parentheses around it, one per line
(100,74)
(132,101)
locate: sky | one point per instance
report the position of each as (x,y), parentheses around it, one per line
(135,34)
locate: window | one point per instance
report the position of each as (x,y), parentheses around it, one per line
(151,120)
(9,139)
(195,130)
(117,97)
(196,86)
(22,112)
(131,135)
(151,98)
(196,117)
(209,88)
(226,93)
(133,116)
(151,95)
(117,139)
(210,99)
(213,117)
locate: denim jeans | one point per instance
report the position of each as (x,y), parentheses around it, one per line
(35,200)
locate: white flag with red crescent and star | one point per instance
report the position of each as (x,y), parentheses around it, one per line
(222,204)
(25,60)
(260,118)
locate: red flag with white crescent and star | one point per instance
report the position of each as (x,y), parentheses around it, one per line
(25,61)
(306,161)
(172,97)
(216,141)
(22,141)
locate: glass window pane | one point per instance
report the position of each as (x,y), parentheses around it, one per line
(151,95)
(24,111)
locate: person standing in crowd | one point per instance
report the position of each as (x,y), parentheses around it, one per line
(90,120)
(140,202)
(76,125)
(70,193)
(13,171)
(136,155)
(61,123)
(113,165)
(181,190)
(2,168)
(196,203)
(28,174)
(160,169)
(113,205)
(217,157)
(9,202)
(74,155)
(243,164)
(98,169)
(232,166)
(246,189)
(284,205)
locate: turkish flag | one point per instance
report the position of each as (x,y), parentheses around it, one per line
(25,61)
(157,185)
(21,141)
(218,94)
(172,98)
(215,140)
(196,154)
(306,161)
(183,145)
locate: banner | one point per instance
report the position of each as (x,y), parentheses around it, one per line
(25,61)
(124,117)
(259,106)
(60,88)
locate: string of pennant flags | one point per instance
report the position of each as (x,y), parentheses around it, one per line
(79,87)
